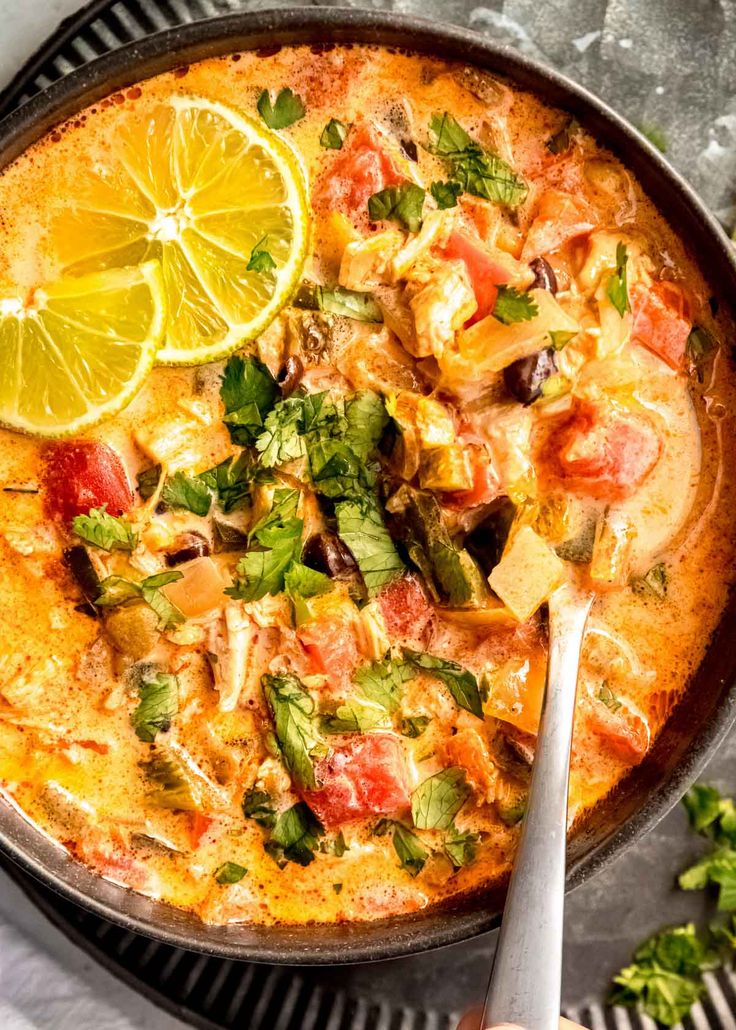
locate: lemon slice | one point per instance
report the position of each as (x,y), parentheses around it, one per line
(78,350)
(199,187)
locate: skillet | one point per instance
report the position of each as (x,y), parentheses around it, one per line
(708,708)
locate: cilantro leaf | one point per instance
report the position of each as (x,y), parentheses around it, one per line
(257,805)
(445,194)
(476,170)
(189,492)
(436,801)
(412,853)
(717,868)
(292,709)
(105,531)
(283,508)
(461,683)
(301,581)
(617,289)
(460,848)
(231,480)
(260,260)
(513,306)
(230,872)
(158,705)
(336,469)
(336,300)
(169,616)
(559,338)
(381,682)
(366,417)
(262,572)
(654,582)
(403,204)
(361,527)
(116,590)
(703,806)
(607,697)
(355,716)
(295,836)
(286,109)
(248,391)
(333,135)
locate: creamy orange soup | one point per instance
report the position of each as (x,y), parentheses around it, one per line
(513,376)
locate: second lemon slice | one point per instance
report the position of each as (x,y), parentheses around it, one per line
(198,187)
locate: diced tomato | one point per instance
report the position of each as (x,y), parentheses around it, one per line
(366,776)
(561,217)
(332,647)
(362,168)
(605,452)
(485,483)
(625,731)
(485,270)
(199,824)
(407,613)
(83,474)
(661,320)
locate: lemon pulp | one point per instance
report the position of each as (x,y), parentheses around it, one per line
(80,349)
(197,187)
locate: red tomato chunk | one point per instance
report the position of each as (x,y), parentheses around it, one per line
(407,613)
(661,320)
(332,648)
(83,474)
(484,271)
(364,777)
(605,452)
(362,169)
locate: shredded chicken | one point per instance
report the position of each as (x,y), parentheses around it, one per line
(441,308)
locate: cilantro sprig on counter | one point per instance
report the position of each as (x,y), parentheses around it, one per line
(665,977)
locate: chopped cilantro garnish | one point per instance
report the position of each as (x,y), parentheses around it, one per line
(292,709)
(260,260)
(286,109)
(607,697)
(461,683)
(248,391)
(295,836)
(189,492)
(333,135)
(514,306)
(116,590)
(653,583)
(445,194)
(617,289)
(257,805)
(436,801)
(700,343)
(361,527)
(230,872)
(336,300)
(403,204)
(159,703)
(105,531)
(411,851)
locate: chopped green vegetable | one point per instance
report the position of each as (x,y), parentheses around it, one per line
(231,480)
(262,572)
(700,343)
(412,853)
(248,391)
(119,590)
(230,872)
(513,306)
(666,975)
(355,716)
(175,787)
(159,703)
(381,682)
(361,527)
(413,726)
(403,204)
(333,135)
(436,801)
(366,417)
(189,492)
(148,480)
(260,260)
(461,683)
(559,338)
(654,582)
(617,289)
(336,300)
(301,581)
(286,109)
(292,709)
(561,141)
(337,888)
(445,194)
(258,806)
(460,848)
(476,170)
(704,806)
(295,836)
(607,697)
(105,531)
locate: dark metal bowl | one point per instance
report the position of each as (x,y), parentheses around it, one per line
(708,709)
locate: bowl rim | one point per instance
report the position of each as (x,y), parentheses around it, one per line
(223,34)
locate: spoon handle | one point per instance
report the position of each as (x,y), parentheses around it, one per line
(527,969)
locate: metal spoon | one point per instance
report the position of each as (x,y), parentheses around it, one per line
(526,977)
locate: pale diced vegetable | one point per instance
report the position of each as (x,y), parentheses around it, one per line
(612,548)
(184,441)
(365,262)
(230,644)
(495,345)
(441,308)
(416,246)
(374,640)
(446,468)
(509,429)
(527,574)
(200,590)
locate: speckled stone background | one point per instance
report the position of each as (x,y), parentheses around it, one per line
(668,65)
